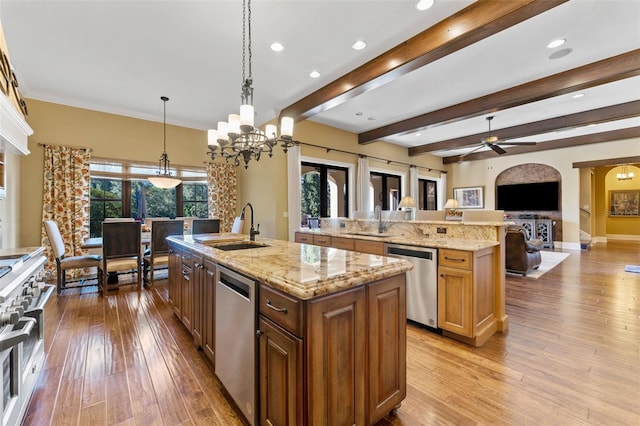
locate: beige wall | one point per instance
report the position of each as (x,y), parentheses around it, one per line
(108,135)
(264,184)
(484,172)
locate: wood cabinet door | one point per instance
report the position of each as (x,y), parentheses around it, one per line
(387,304)
(304,238)
(197,300)
(371,247)
(186,288)
(175,277)
(335,339)
(281,376)
(455,300)
(209,311)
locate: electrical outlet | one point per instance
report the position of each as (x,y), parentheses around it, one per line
(441,230)
(343,225)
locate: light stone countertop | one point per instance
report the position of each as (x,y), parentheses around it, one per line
(301,270)
(413,240)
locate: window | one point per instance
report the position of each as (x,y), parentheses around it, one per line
(194,200)
(332,201)
(427,194)
(385,190)
(120,189)
(106,201)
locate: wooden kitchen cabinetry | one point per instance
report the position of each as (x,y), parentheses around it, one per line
(208,303)
(466,295)
(186,290)
(197,298)
(174,280)
(355,346)
(192,295)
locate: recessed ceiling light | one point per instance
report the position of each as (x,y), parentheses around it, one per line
(277,47)
(359,113)
(425,4)
(556,43)
(359,45)
(578,95)
(418,134)
(371,118)
(314,74)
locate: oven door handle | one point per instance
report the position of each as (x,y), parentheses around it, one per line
(13,338)
(36,311)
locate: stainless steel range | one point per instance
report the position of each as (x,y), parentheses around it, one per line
(23,295)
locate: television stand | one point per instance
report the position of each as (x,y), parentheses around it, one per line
(538,228)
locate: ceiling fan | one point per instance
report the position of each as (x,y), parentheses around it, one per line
(493,142)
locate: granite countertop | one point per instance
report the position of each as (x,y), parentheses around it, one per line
(301,270)
(412,240)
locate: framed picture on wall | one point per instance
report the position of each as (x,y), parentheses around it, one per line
(469,198)
(624,203)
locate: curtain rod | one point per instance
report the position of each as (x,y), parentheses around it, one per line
(64,146)
(431,169)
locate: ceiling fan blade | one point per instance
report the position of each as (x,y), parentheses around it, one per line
(496,148)
(517,143)
(470,152)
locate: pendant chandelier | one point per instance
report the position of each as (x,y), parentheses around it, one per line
(623,174)
(164,179)
(237,138)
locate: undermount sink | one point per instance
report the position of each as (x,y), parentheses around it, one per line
(239,246)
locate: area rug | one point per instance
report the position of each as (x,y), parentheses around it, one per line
(550,259)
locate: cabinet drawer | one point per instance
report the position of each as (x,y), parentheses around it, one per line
(186,258)
(322,240)
(455,258)
(284,310)
(304,238)
(371,247)
(343,243)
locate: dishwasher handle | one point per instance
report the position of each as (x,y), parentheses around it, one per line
(235,285)
(399,251)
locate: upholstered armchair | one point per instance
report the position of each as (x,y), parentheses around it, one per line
(521,255)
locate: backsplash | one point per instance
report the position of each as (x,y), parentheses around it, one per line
(416,229)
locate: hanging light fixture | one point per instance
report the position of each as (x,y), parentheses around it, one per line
(623,174)
(237,138)
(164,179)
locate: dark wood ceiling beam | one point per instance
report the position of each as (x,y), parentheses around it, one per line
(610,136)
(607,162)
(595,116)
(605,71)
(478,21)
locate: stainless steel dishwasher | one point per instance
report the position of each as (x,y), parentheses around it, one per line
(235,354)
(422,282)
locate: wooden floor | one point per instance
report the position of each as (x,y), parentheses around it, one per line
(571,357)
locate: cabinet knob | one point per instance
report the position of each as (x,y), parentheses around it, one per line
(259,333)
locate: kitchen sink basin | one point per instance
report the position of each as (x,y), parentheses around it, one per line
(239,246)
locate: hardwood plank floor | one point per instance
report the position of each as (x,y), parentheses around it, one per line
(571,357)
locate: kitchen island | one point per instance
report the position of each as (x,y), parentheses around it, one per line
(470,266)
(331,325)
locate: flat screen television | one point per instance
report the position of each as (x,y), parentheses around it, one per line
(528,196)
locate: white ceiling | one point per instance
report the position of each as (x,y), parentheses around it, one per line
(121,56)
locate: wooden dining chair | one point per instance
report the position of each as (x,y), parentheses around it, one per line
(159,251)
(205,226)
(63,263)
(121,248)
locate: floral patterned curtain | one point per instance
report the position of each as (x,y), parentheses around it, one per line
(66,197)
(222,186)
